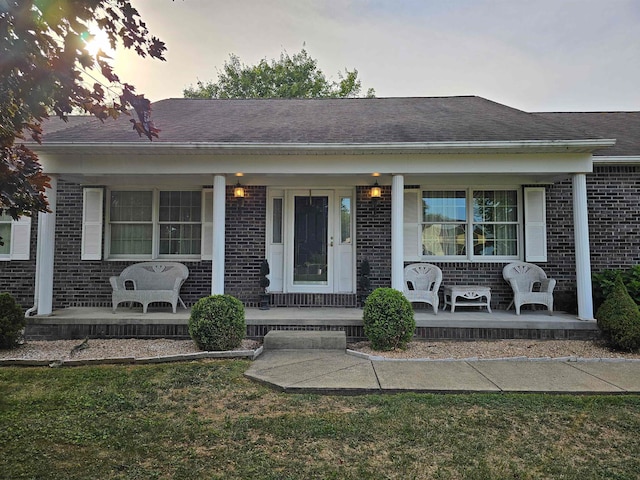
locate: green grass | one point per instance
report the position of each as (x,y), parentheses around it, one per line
(205,420)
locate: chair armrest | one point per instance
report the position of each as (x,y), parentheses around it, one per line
(548,285)
(178,283)
(116,284)
(514,285)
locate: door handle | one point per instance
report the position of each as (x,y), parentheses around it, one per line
(331,244)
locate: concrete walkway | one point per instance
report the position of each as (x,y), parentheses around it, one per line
(323,366)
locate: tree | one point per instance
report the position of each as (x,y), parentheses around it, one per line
(294,76)
(44,61)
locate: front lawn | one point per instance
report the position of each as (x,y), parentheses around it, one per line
(205,420)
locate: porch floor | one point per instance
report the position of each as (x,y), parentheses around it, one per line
(467,324)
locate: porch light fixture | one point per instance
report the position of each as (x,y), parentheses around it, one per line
(239,194)
(376,194)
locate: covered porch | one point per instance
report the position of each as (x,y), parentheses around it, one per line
(466,324)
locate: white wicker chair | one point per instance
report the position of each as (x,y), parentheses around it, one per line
(421,284)
(530,285)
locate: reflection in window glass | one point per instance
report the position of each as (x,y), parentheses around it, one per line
(493,223)
(277,220)
(345,220)
(180,214)
(444,215)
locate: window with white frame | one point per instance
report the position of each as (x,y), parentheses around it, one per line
(5,235)
(463,224)
(154,223)
(16,238)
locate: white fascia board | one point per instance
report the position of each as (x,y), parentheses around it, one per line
(521,146)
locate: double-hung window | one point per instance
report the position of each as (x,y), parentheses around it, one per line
(463,224)
(155,224)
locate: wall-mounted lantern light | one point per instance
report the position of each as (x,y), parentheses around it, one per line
(239,194)
(376,194)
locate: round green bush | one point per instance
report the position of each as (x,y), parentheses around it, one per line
(11,321)
(217,323)
(619,318)
(388,319)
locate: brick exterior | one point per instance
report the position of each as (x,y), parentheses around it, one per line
(245,244)
(614,216)
(373,236)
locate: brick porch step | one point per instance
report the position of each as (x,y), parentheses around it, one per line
(298,340)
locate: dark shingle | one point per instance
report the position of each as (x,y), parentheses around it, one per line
(623,126)
(377,120)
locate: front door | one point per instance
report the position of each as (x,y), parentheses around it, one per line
(310,241)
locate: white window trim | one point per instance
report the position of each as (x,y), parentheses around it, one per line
(155,239)
(470,257)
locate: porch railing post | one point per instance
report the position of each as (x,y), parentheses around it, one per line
(397,232)
(583,260)
(217,263)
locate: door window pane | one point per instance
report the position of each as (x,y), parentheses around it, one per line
(310,239)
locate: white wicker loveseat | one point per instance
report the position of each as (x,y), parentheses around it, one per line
(149,282)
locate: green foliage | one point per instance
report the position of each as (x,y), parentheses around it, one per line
(11,321)
(604,281)
(43,47)
(388,319)
(217,323)
(294,76)
(619,318)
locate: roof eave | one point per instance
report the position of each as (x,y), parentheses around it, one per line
(519,146)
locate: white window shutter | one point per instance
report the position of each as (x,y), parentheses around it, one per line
(411,225)
(92,224)
(206,248)
(535,225)
(21,238)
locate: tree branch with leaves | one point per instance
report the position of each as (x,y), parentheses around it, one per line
(294,76)
(44,64)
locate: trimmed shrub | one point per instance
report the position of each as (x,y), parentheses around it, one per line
(217,323)
(619,318)
(388,319)
(603,284)
(12,321)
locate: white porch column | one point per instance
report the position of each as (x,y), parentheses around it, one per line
(583,259)
(397,232)
(45,250)
(217,264)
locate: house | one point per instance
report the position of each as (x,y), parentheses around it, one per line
(464,182)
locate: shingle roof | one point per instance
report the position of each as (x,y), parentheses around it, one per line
(291,121)
(623,126)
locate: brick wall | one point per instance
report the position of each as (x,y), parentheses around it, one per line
(614,217)
(373,236)
(245,246)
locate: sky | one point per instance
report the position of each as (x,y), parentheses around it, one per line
(533,55)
